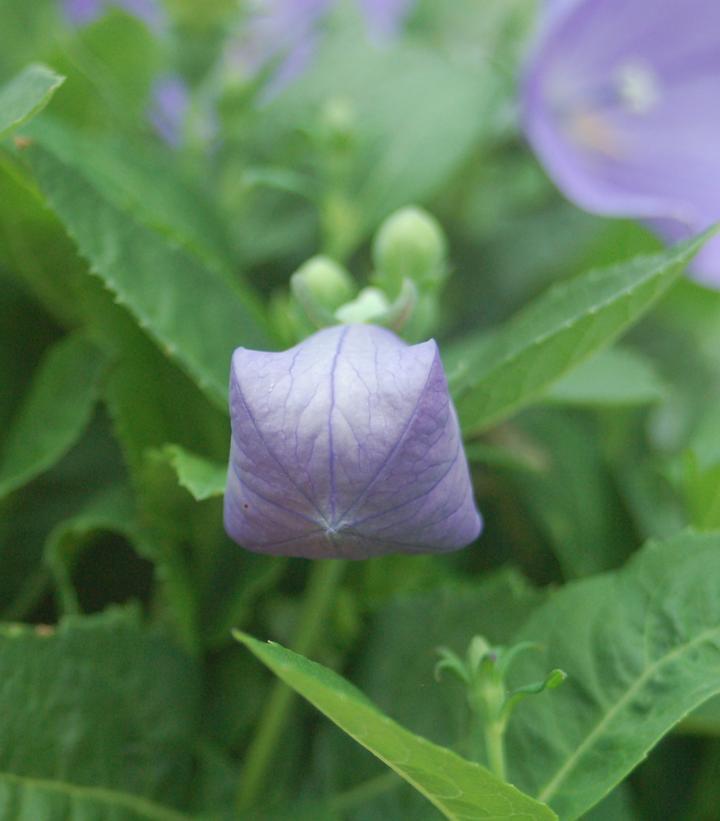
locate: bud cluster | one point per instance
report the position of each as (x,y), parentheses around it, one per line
(409,266)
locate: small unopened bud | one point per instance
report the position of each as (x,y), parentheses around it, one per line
(328,282)
(320,286)
(409,245)
(339,122)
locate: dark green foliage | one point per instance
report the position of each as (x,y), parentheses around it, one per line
(130,270)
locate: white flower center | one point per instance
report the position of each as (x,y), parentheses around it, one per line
(638,87)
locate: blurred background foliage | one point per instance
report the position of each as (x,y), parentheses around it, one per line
(131,266)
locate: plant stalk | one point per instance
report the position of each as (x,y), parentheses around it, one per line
(495,747)
(322,585)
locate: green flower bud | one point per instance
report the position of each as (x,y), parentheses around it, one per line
(320,286)
(410,244)
(327,281)
(339,122)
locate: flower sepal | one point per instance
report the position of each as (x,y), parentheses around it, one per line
(483,673)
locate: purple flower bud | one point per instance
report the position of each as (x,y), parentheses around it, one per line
(621,105)
(385,17)
(83,12)
(346,446)
(286,32)
(169,108)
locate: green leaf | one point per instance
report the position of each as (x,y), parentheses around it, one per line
(413,118)
(571,495)
(398,664)
(238,581)
(458,788)
(617,376)
(23,327)
(26,95)
(110,65)
(146,183)
(98,702)
(183,303)
(27,517)
(703,721)
(698,471)
(701,487)
(53,414)
(140,370)
(618,806)
(31,250)
(111,510)
(202,478)
(30,799)
(641,647)
(558,331)
(397,670)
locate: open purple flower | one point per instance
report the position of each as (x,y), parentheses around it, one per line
(622,104)
(83,12)
(346,446)
(285,32)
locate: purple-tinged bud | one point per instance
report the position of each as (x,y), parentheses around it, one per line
(385,17)
(83,12)
(346,446)
(621,105)
(285,33)
(170,102)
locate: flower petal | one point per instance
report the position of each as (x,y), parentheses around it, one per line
(385,17)
(621,104)
(346,446)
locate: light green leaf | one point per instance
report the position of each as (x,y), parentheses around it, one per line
(572,496)
(26,95)
(697,471)
(558,331)
(641,647)
(187,306)
(202,478)
(99,701)
(397,668)
(701,486)
(617,376)
(413,117)
(703,721)
(397,671)
(53,414)
(31,799)
(460,789)
(146,183)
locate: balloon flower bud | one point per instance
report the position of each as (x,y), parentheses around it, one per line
(327,282)
(346,446)
(409,245)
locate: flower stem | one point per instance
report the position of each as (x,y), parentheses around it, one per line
(323,582)
(495,747)
(367,791)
